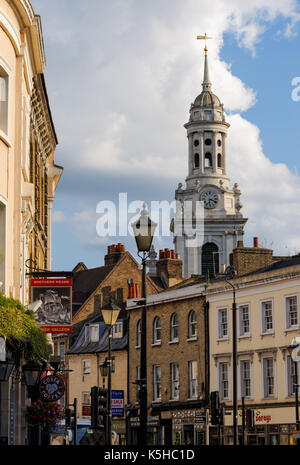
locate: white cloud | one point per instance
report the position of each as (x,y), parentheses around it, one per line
(126,74)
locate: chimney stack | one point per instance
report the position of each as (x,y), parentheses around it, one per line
(169,267)
(114,253)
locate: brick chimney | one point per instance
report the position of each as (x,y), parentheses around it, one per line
(133,291)
(248,259)
(169,267)
(114,253)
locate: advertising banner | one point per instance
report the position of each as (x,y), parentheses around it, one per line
(54,304)
(117,403)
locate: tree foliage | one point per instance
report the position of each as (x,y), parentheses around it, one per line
(21,332)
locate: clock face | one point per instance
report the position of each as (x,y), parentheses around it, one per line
(210,199)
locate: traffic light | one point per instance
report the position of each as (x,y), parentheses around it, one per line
(250,418)
(215,407)
(99,408)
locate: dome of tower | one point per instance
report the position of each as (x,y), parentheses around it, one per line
(207,99)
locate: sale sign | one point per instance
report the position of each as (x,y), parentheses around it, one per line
(117,403)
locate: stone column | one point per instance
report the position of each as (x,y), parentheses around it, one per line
(201,152)
(214,152)
(224,152)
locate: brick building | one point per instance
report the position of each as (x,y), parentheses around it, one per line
(177,367)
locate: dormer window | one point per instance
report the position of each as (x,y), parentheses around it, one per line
(94,333)
(117,330)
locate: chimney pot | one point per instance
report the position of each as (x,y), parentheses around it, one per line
(255,243)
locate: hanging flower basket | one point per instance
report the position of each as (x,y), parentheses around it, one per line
(44,413)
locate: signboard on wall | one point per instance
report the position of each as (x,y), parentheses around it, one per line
(117,403)
(54,314)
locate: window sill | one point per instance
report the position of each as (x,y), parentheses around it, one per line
(156,401)
(156,344)
(223,339)
(5,139)
(268,333)
(176,341)
(245,336)
(191,339)
(192,398)
(174,400)
(292,328)
(137,347)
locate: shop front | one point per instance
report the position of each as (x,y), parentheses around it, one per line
(154,430)
(272,426)
(189,427)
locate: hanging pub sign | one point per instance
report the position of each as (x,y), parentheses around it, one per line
(52,388)
(53,311)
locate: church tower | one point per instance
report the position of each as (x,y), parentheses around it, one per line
(208,185)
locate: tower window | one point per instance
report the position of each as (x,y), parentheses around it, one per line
(219,143)
(210,259)
(196,160)
(207,141)
(196,143)
(208,160)
(219,160)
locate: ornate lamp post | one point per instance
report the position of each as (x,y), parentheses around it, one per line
(144,230)
(230,273)
(110,315)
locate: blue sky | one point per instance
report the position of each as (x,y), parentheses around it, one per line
(121,76)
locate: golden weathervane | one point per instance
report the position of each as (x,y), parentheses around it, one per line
(205,37)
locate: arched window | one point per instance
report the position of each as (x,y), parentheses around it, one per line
(174,327)
(219,160)
(157,330)
(196,160)
(192,324)
(138,333)
(208,160)
(210,259)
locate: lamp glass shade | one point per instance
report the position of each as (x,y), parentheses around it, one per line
(110,316)
(104,369)
(144,229)
(31,373)
(5,370)
(293,346)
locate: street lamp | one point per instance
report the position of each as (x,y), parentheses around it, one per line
(293,350)
(144,230)
(110,315)
(230,274)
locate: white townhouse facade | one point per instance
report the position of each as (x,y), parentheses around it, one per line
(267,321)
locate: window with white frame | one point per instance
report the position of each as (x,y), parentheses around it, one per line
(192,325)
(268,377)
(291,376)
(86,398)
(2,245)
(94,333)
(86,367)
(157,382)
(291,312)
(174,381)
(157,330)
(138,333)
(267,316)
(224,380)
(174,327)
(245,368)
(3,101)
(193,382)
(222,323)
(117,330)
(87,335)
(244,320)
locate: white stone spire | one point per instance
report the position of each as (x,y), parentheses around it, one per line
(206,81)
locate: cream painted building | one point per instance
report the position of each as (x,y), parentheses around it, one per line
(267,320)
(28,176)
